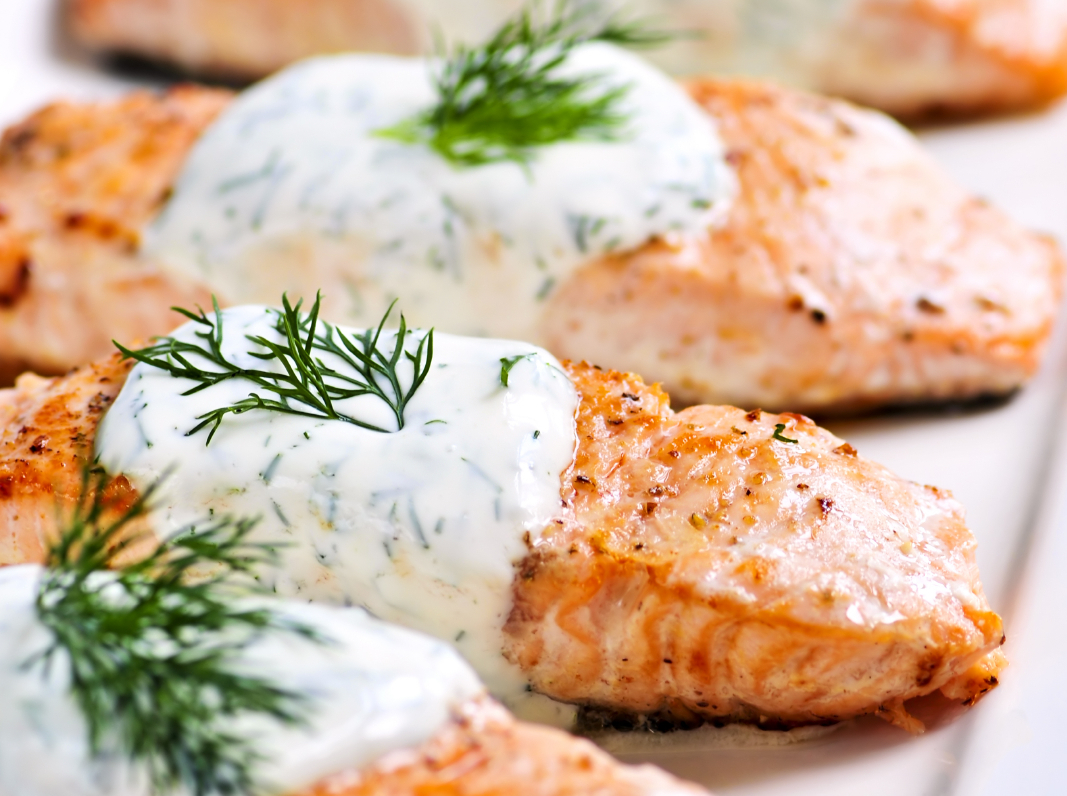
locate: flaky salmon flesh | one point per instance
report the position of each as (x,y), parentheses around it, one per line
(908,57)
(708,564)
(849,273)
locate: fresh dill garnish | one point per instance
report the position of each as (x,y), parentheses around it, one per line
(305,385)
(507,363)
(151,651)
(503,99)
(778,429)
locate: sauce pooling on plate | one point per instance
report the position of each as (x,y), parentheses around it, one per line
(372,689)
(421,525)
(294,188)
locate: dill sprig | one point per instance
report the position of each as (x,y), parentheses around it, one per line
(503,99)
(506,365)
(151,651)
(305,386)
(779,434)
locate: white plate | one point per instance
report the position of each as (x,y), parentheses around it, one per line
(1008,465)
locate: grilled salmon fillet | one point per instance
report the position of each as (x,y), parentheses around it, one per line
(916,58)
(485,752)
(724,564)
(48,430)
(242,40)
(78,184)
(709,563)
(849,273)
(908,57)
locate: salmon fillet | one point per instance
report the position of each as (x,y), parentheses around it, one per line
(485,752)
(849,273)
(747,566)
(709,563)
(241,40)
(916,58)
(48,427)
(907,57)
(78,183)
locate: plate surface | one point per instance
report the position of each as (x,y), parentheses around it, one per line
(1007,464)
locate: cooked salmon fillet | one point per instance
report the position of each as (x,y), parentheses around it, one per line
(709,563)
(485,752)
(850,271)
(241,39)
(915,58)
(908,57)
(48,430)
(724,564)
(78,183)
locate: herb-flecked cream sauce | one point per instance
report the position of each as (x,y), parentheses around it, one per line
(292,189)
(422,526)
(373,689)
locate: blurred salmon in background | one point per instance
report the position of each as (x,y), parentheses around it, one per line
(911,58)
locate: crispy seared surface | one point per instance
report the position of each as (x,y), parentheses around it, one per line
(850,272)
(722,564)
(78,183)
(47,428)
(703,567)
(485,752)
(102,168)
(240,39)
(908,57)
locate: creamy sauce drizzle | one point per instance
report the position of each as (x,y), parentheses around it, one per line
(375,689)
(291,190)
(422,526)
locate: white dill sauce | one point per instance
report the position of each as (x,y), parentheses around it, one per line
(290,189)
(422,526)
(374,689)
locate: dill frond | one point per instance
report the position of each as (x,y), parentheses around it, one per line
(502,100)
(507,363)
(151,651)
(305,386)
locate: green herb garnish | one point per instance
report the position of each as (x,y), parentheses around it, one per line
(507,363)
(778,429)
(304,386)
(503,99)
(151,652)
